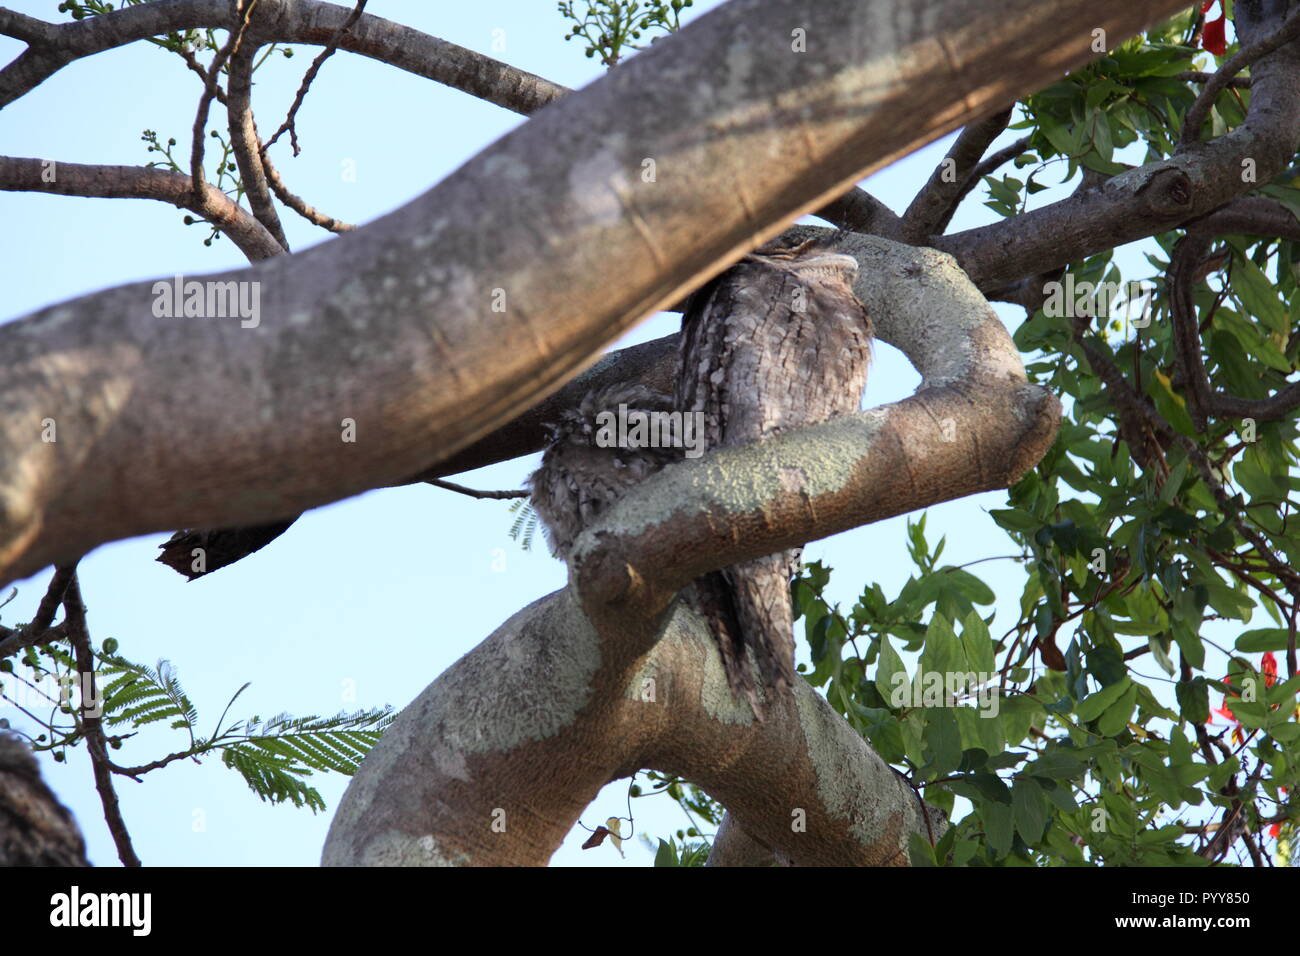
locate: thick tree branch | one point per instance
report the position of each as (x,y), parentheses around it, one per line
(639,677)
(732,846)
(974,425)
(1252,216)
(35,829)
(454,781)
(859,211)
(1158,196)
(396,328)
(31,31)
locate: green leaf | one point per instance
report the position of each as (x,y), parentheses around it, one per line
(1029,808)
(1288,733)
(920,851)
(1116,716)
(943,741)
(1263,639)
(666,854)
(1161,654)
(1258,295)
(889,665)
(1194,699)
(998,826)
(972,587)
(1092,706)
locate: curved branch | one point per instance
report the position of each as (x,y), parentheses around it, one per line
(21,174)
(934,204)
(287,21)
(732,846)
(246,144)
(396,328)
(975,424)
(1216,84)
(606,680)
(454,781)
(1158,196)
(1204,402)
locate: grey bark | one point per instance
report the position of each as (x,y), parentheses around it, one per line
(611,675)
(407,301)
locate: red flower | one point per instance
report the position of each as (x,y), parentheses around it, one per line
(1268,667)
(1214,36)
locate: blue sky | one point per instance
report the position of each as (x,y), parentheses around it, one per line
(323,619)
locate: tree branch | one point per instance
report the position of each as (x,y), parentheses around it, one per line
(410,304)
(974,425)
(246,144)
(454,781)
(1204,402)
(91,726)
(297,203)
(934,204)
(1252,216)
(1244,57)
(642,676)
(1155,197)
(859,211)
(140,182)
(288,124)
(287,21)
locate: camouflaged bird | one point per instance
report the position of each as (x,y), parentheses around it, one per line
(579,478)
(777,341)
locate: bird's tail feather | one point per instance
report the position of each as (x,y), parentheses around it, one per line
(761,590)
(715,600)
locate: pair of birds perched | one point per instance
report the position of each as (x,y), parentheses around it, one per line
(777,341)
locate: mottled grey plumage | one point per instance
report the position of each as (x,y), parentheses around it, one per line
(777,341)
(579,480)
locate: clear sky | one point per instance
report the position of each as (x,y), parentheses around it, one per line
(329,606)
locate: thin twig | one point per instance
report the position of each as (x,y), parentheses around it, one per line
(1195,118)
(92,728)
(310,75)
(475,493)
